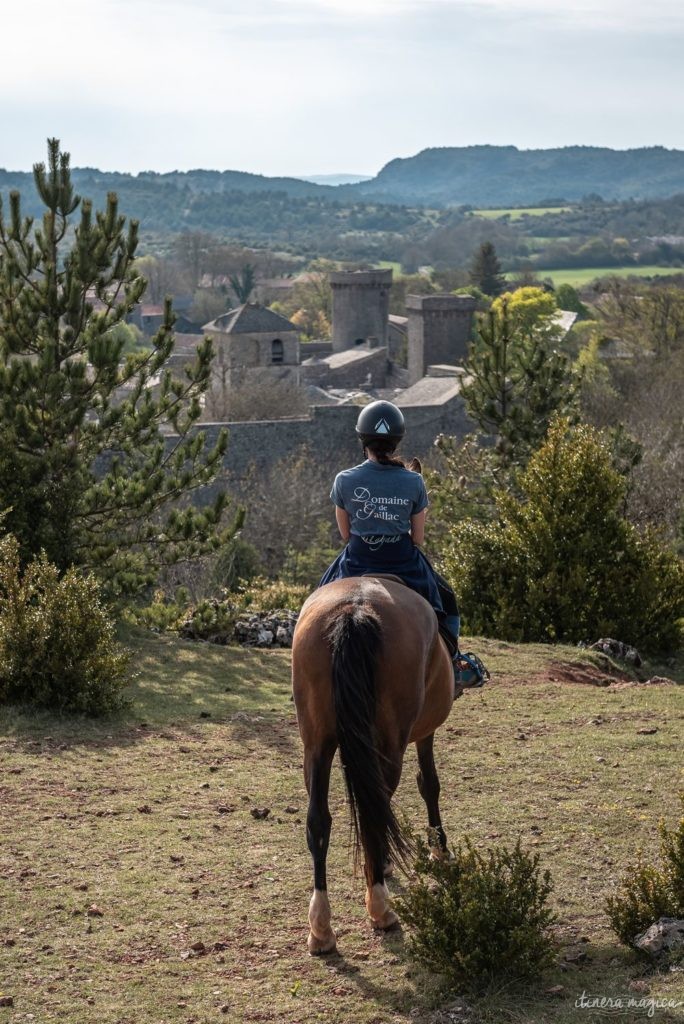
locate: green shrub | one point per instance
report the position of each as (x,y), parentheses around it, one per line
(648,892)
(162,614)
(210,619)
(559,562)
(57,642)
(236,562)
(479,918)
(264,595)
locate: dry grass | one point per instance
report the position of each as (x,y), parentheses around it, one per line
(147,818)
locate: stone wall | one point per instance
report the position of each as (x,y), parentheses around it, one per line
(352,369)
(328,433)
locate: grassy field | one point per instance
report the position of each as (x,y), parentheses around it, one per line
(584,275)
(516,212)
(136,887)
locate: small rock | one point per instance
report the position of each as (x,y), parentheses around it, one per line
(145,809)
(6,1001)
(94,911)
(198,947)
(617,649)
(292,810)
(264,638)
(638,985)
(659,681)
(647,732)
(260,812)
(555,990)
(665,935)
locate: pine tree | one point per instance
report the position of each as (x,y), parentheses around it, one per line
(485,270)
(99,449)
(517,384)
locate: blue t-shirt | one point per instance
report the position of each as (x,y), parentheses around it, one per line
(379,499)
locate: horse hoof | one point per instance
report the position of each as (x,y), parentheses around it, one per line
(387,922)
(322,947)
(388,869)
(437,853)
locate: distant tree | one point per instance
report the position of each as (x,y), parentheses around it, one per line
(567,297)
(533,313)
(517,384)
(164,277)
(408,284)
(485,270)
(207,304)
(243,283)
(193,250)
(87,469)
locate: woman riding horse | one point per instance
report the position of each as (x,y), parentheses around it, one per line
(370,672)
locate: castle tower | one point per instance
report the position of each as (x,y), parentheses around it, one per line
(438,331)
(360,307)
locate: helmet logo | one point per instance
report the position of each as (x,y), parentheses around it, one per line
(382,427)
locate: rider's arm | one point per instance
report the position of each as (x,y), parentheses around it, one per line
(418,527)
(342,523)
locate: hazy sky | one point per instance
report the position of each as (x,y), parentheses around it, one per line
(318,86)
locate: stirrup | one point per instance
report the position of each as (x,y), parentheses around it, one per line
(469,671)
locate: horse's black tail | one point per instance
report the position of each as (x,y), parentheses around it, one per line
(355,638)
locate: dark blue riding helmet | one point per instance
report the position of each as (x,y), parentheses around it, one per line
(380,421)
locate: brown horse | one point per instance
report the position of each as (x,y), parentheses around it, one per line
(370,675)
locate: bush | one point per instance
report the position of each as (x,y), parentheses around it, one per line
(480,917)
(263,595)
(649,892)
(57,641)
(236,562)
(560,562)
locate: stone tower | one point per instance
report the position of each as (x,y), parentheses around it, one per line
(360,307)
(438,331)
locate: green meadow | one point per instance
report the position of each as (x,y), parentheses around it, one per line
(142,882)
(578,277)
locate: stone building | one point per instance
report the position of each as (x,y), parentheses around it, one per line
(360,308)
(439,329)
(253,344)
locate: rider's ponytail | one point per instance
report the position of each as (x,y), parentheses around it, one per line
(383,450)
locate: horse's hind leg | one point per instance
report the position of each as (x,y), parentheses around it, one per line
(428,786)
(318,821)
(377,896)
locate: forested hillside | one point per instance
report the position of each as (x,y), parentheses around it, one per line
(506,175)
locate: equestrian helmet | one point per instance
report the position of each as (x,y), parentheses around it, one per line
(380,421)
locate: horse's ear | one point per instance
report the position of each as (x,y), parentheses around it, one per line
(415,465)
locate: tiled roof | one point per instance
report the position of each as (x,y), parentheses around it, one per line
(251,318)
